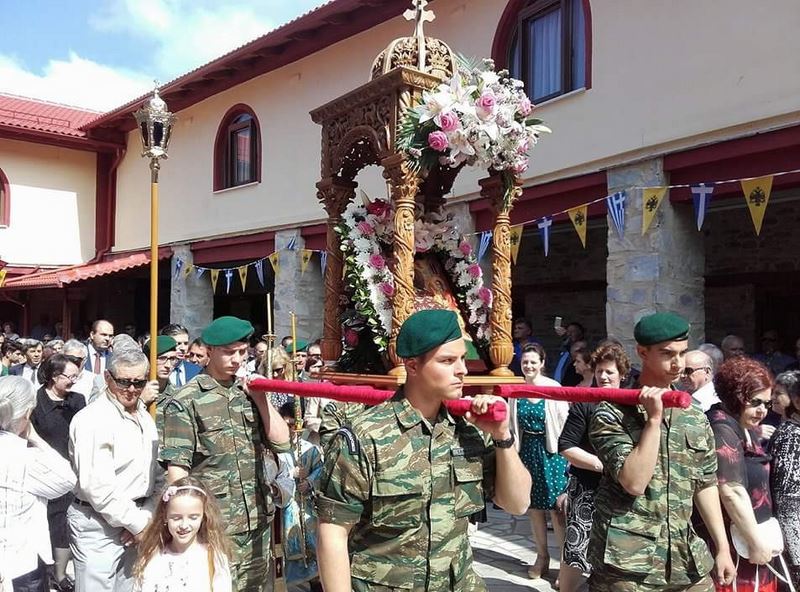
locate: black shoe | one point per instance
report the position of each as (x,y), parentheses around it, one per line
(66,585)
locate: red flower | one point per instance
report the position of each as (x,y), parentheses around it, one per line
(351,338)
(378,207)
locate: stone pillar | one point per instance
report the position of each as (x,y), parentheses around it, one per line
(301,293)
(191,299)
(660,271)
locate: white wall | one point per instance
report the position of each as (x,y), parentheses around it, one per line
(665,76)
(52,204)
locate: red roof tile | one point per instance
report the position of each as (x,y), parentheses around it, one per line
(58,278)
(34,114)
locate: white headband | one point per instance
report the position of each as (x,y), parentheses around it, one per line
(172,490)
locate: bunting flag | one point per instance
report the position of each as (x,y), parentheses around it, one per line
(486,240)
(701,196)
(305,259)
(260,271)
(756,193)
(544,228)
(651,200)
(580,217)
(616,209)
(199,271)
(292,244)
(214,277)
(3,273)
(243,276)
(275,259)
(323,261)
(188,270)
(178,266)
(516,238)
(228,280)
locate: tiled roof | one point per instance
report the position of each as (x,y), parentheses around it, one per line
(58,278)
(44,116)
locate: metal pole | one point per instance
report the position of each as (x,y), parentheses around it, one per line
(154,166)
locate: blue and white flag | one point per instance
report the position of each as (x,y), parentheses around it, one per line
(323,261)
(199,271)
(259,265)
(616,209)
(485,242)
(292,244)
(178,267)
(544,229)
(701,196)
(228,280)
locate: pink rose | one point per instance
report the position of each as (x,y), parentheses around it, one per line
(465,248)
(487,102)
(350,338)
(475,270)
(377,261)
(520,168)
(485,294)
(448,121)
(438,141)
(525,107)
(378,207)
(386,289)
(365,228)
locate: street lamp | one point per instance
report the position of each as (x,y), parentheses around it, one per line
(155,126)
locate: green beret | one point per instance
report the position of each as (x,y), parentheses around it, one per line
(164,343)
(425,330)
(225,330)
(661,327)
(300,346)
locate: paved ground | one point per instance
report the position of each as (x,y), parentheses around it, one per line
(503,551)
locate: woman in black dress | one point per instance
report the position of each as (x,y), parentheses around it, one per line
(56,405)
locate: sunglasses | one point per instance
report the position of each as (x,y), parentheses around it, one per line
(137,383)
(756,403)
(688,371)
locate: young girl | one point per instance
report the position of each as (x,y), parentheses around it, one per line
(184,547)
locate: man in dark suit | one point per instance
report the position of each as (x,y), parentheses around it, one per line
(99,343)
(185,370)
(32,348)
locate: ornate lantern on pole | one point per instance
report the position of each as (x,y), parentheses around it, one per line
(155,126)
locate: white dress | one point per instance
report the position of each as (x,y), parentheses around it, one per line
(173,572)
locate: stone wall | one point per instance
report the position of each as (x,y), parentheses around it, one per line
(191,299)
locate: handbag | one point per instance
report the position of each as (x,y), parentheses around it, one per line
(769,530)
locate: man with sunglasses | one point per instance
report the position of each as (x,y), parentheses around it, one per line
(114,448)
(698,379)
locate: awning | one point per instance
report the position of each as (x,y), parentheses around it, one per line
(58,278)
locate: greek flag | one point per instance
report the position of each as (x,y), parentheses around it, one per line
(228,279)
(292,244)
(701,196)
(616,209)
(486,240)
(178,267)
(323,261)
(259,265)
(544,230)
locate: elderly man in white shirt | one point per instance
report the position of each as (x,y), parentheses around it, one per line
(31,473)
(698,379)
(114,447)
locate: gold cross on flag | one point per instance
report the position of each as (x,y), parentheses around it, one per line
(419,15)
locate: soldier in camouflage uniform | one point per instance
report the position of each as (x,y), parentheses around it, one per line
(658,466)
(334,416)
(167,357)
(399,485)
(216,432)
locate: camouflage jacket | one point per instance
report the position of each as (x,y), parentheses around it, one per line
(406,489)
(650,537)
(334,416)
(215,432)
(161,401)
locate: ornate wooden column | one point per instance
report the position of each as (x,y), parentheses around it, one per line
(405,184)
(334,193)
(501,347)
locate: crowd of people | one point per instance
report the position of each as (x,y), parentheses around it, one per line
(642,497)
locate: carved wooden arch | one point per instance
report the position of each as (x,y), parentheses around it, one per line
(363,146)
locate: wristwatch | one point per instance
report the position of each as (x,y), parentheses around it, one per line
(507,443)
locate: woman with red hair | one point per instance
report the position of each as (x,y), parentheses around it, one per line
(744,388)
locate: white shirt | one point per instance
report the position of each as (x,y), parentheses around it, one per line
(28,478)
(705,397)
(88,382)
(93,358)
(114,455)
(173,572)
(31,373)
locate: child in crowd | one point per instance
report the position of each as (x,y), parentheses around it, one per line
(301,562)
(184,547)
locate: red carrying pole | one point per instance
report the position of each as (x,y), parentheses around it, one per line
(575,394)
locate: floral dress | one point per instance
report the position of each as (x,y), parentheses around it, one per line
(548,470)
(786,489)
(745,463)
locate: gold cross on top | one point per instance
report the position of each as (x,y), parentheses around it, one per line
(419,15)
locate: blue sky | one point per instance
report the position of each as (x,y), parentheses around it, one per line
(99,54)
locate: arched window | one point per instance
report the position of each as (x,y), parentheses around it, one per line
(5,200)
(237,150)
(547,44)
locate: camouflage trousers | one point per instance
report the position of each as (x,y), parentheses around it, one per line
(252,561)
(602,582)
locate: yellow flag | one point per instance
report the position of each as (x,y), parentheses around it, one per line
(187,269)
(3,273)
(651,200)
(275,259)
(305,258)
(243,275)
(214,276)
(579,218)
(516,238)
(756,194)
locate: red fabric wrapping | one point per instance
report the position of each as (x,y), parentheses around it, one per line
(575,394)
(361,394)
